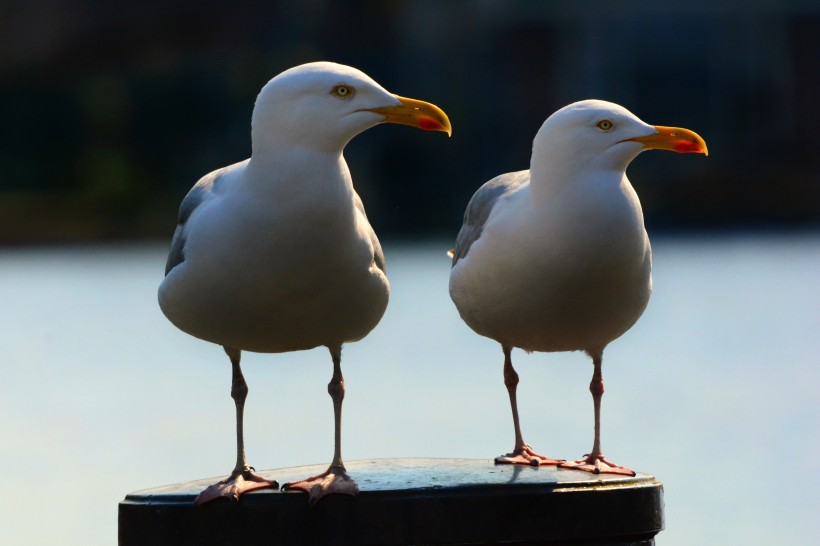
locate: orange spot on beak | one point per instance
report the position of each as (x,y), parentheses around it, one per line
(429,124)
(674,139)
(416,113)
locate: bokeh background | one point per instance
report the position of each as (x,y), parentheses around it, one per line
(111,110)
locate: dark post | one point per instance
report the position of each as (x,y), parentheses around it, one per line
(409,501)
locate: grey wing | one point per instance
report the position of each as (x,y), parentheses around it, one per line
(480,206)
(378,254)
(198,194)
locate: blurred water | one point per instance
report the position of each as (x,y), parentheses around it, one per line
(715,390)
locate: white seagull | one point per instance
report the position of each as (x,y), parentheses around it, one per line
(275,253)
(556,258)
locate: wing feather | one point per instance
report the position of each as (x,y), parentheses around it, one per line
(480,207)
(378,254)
(200,193)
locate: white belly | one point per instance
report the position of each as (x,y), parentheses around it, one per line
(542,280)
(266,285)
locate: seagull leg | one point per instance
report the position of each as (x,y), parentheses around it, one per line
(595,461)
(521,454)
(335,478)
(242,479)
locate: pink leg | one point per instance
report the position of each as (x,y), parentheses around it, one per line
(242,479)
(335,478)
(521,454)
(595,461)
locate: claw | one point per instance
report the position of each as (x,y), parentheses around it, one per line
(597,464)
(332,480)
(526,455)
(235,485)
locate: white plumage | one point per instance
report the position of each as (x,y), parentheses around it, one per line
(557,258)
(275,253)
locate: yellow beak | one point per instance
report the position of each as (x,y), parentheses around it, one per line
(417,113)
(674,139)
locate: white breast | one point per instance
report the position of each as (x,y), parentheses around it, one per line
(296,272)
(569,273)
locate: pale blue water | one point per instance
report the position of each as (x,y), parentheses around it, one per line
(715,390)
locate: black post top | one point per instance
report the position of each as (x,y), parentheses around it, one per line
(409,501)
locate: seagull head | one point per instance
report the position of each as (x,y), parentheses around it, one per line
(598,135)
(323,105)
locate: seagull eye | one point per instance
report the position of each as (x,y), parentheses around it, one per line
(605,125)
(343,91)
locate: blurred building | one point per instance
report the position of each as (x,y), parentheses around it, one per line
(112,110)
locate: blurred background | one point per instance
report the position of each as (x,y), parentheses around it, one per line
(110,111)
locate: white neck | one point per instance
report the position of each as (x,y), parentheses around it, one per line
(555,167)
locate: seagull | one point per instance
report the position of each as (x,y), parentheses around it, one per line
(275,253)
(556,258)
